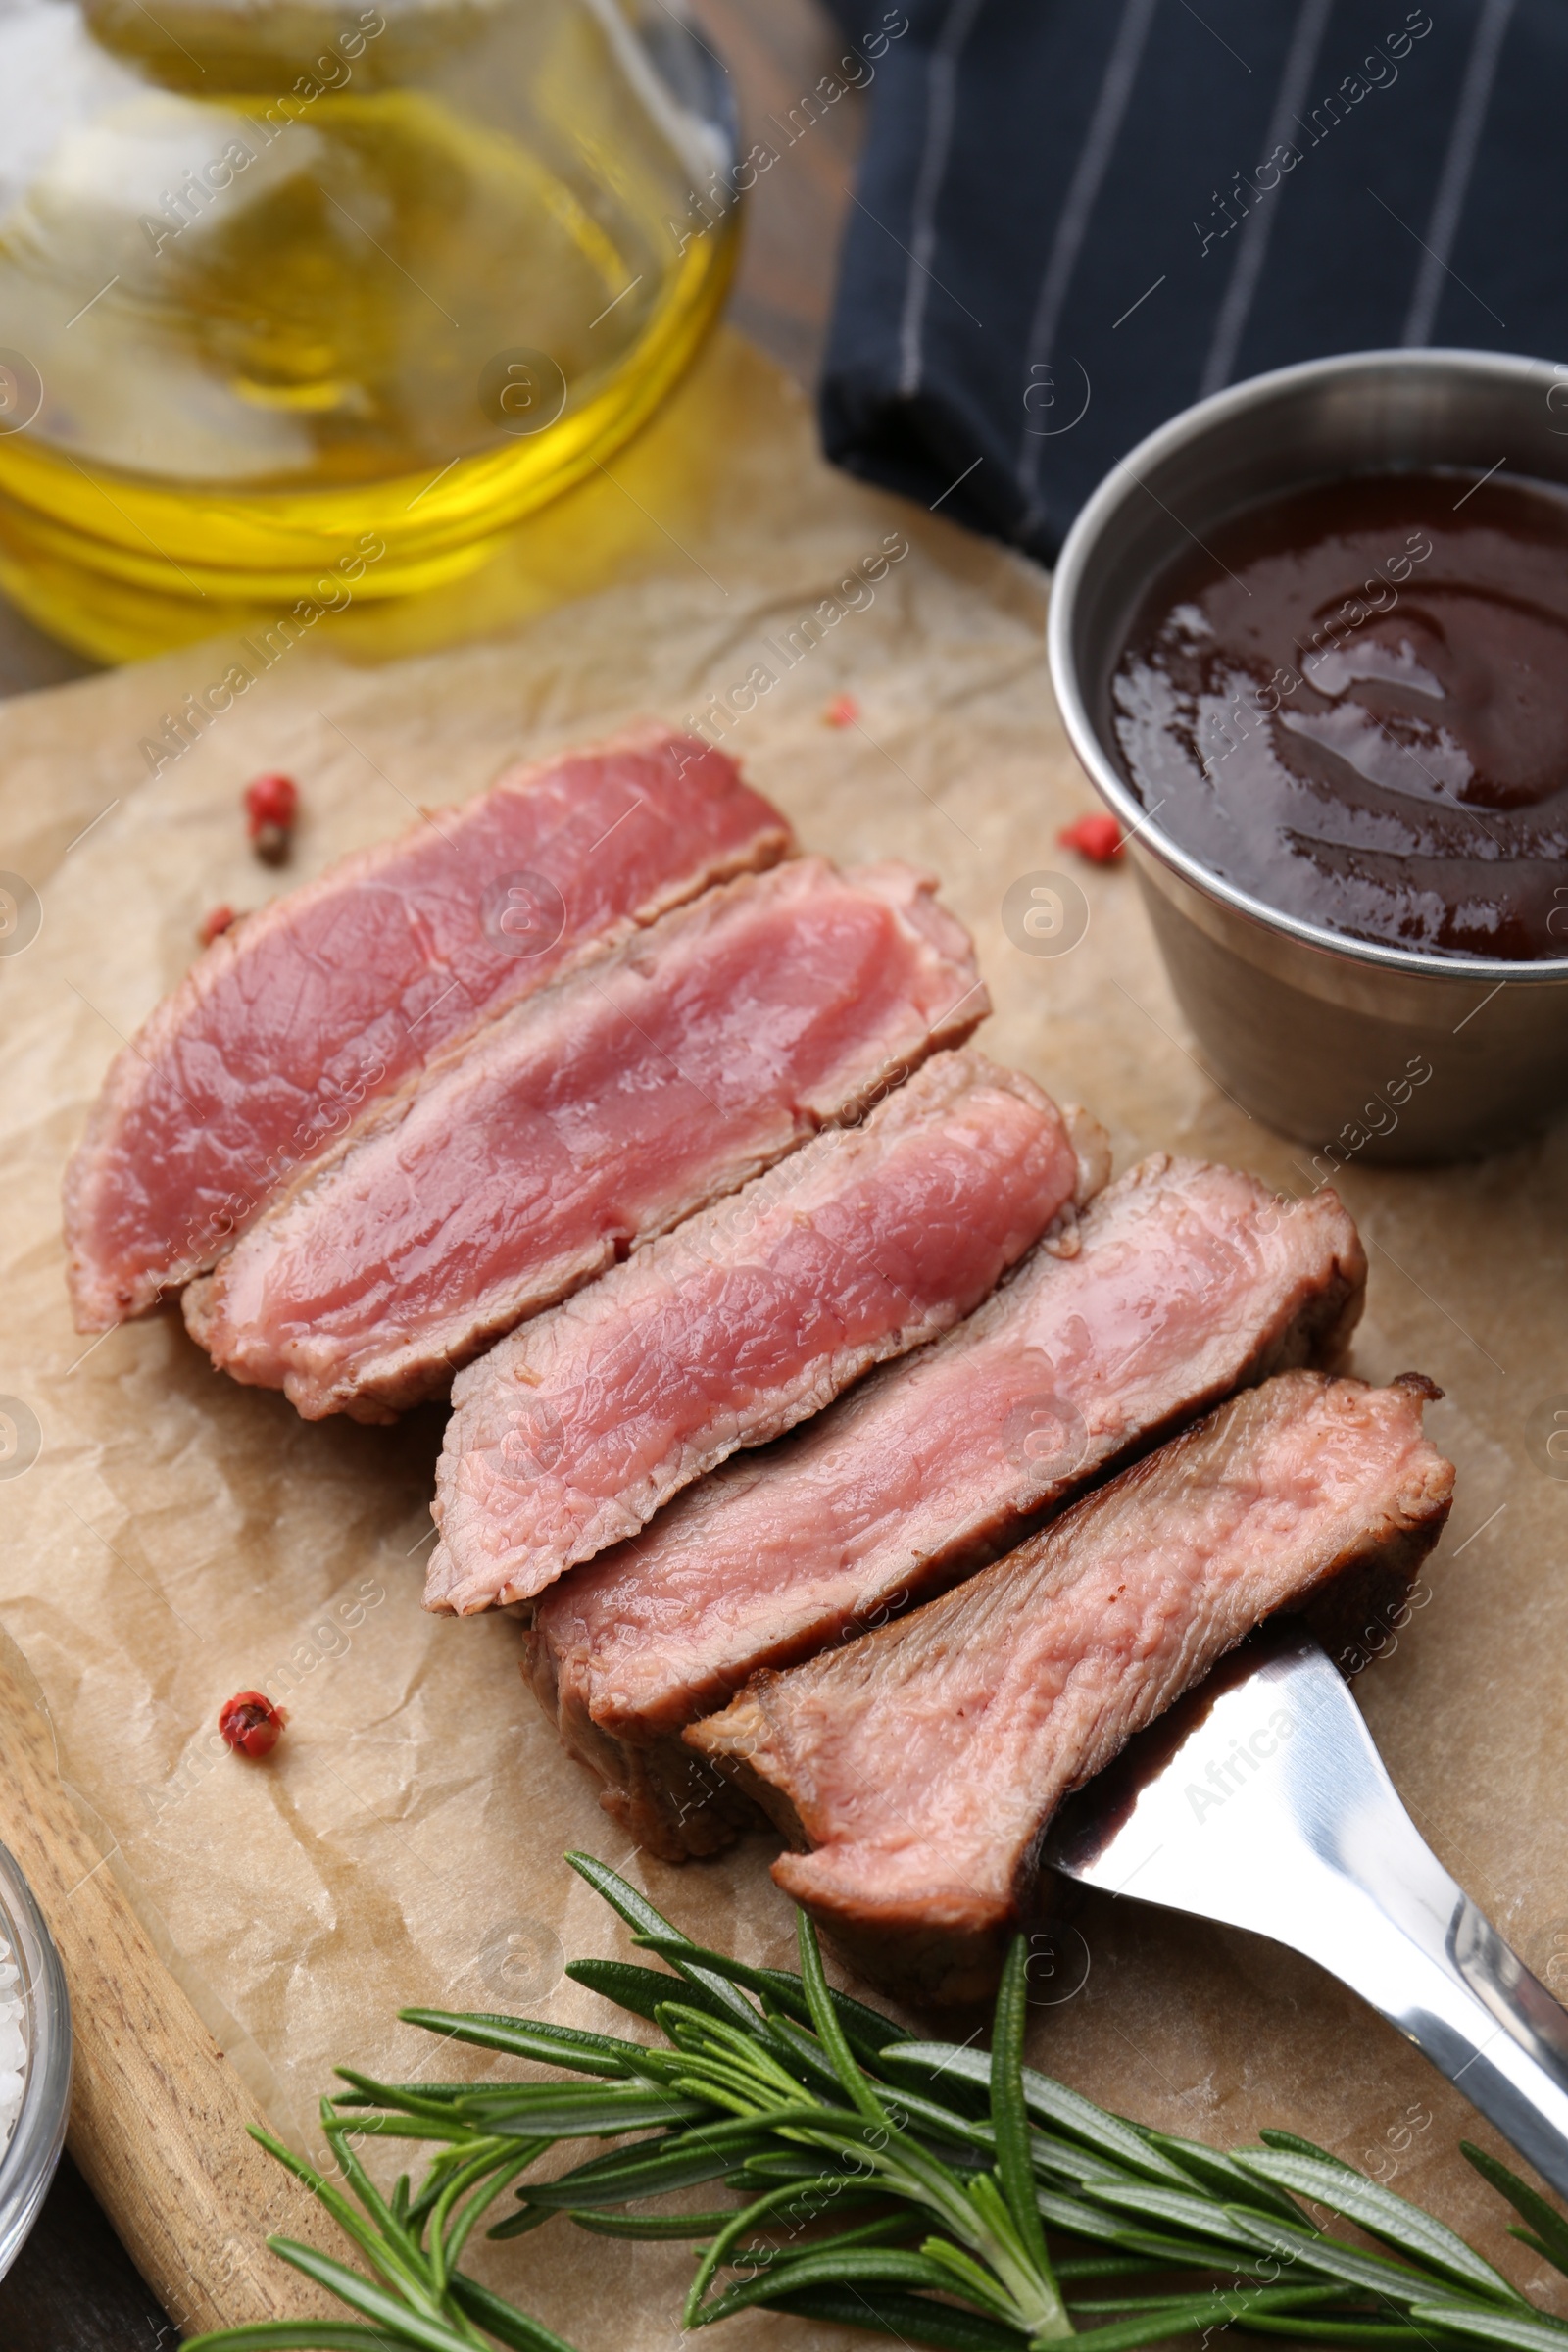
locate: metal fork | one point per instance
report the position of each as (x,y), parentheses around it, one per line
(1260,1801)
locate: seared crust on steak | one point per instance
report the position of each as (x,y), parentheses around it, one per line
(673,1803)
(922,1765)
(1184,1282)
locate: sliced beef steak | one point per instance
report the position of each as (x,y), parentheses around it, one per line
(1189,1280)
(590,1118)
(750,1317)
(922,1764)
(332,996)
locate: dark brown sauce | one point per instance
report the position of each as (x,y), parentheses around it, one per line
(1353,703)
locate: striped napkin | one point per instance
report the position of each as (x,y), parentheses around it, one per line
(1075,217)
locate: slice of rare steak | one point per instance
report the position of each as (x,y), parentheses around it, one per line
(750,1317)
(590,1118)
(332,996)
(922,1764)
(1189,1280)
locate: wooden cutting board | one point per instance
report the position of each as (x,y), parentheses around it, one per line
(158,2116)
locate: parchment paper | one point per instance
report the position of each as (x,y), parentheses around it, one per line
(178,1537)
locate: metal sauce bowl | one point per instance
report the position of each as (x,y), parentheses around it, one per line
(1324,1037)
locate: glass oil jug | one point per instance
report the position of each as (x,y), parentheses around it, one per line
(297,292)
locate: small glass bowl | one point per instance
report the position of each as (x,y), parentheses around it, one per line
(28,2160)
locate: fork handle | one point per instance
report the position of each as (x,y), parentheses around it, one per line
(1407,1938)
(1262,1801)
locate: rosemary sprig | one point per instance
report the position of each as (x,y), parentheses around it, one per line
(904,2186)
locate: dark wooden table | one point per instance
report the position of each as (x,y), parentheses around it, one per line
(72,2287)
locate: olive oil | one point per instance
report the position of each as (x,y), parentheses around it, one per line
(296,282)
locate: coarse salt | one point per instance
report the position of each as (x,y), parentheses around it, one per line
(13,2042)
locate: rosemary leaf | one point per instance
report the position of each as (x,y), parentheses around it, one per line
(963,2140)
(1009,2118)
(1396,2282)
(869,2267)
(503,2319)
(1262,2298)
(437,2094)
(1225,2177)
(391,2257)
(1550,2231)
(866,2029)
(964,2277)
(426,2331)
(642,1990)
(641,1917)
(294,2336)
(1169,2317)
(1291,2144)
(563,2111)
(1175,2208)
(1074,2267)
(911,2319)
(829,2031)
(650,2169)
(739,2226)
(1052,2103)
(650,2225)
(392,2125)
(1393,2220)
(1365,2335)
(529,2037)
(1535,2332)
(393,2251)
(810,2061)
(1079,2219)
(1152,2328)
(403,2100)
